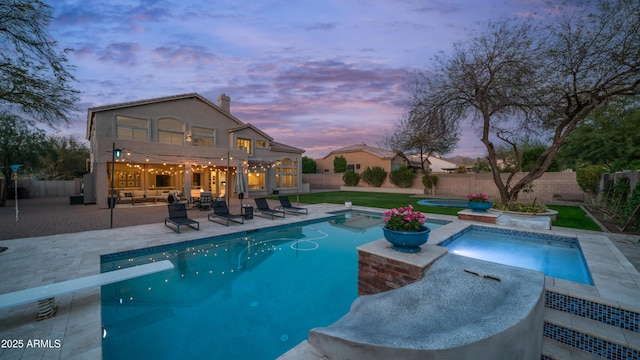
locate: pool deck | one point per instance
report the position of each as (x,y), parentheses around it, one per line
(65,255)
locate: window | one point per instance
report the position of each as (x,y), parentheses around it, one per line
(395,166)
(170,131)
(287,173)
(261,143)
(163,180)
(132,129)
(256,180)
(203,137)
(196,182)
(244,144)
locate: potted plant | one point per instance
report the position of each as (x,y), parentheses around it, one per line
(404,229)
(479,202)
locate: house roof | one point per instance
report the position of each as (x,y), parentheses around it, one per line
(91,111)
(276,146)
(381,153)
(249,126)
(435,163)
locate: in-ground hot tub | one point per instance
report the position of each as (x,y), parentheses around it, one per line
(462,308)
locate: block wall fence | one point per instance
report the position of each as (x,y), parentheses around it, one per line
(550,188)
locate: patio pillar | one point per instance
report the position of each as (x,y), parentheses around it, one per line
(188,178)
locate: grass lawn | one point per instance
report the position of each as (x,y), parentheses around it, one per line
(568,216)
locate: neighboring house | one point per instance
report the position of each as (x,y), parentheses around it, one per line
(361,156)
(179,143)
(437,165)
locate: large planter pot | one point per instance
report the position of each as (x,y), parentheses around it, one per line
(479,206)
(407,241)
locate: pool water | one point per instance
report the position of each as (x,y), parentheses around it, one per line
(248,296)
(555,256)
(444,202)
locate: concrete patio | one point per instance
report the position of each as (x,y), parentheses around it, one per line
(54,241)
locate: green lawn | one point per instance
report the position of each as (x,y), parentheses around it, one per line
(568,216)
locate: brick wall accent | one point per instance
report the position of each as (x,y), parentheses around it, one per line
(378,274)
(469,216)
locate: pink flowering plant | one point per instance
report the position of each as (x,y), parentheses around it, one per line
(404,218)
(478,197)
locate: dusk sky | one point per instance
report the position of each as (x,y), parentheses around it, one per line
(318,75)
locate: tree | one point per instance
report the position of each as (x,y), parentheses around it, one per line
(422,133)
(530,155)
(34,73)
(20,143)
(309,165)
(608,137)
(65,158)
(522,79)
(339,164)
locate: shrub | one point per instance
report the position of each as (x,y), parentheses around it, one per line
(309,165)
(535,207)
(402,177)
(462,169)
(339,164)
(632,204)
(350,178)
(588,178)
(621,189)
(619,195)
(374,176)
(429,181)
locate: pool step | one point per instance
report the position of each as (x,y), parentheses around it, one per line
(555,350)
(587,337)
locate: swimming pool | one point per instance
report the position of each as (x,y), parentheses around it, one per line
(555,256)
(252,295)
(444,202)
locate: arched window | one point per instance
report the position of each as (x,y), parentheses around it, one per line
(170,131)
(287,173)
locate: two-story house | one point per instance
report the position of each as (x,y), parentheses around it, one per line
(182,143)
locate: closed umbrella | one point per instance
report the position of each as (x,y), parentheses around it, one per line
(240,186)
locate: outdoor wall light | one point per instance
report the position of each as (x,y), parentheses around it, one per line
(112,199)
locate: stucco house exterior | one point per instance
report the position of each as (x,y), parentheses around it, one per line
(436,164)
(182,143)
(361,156)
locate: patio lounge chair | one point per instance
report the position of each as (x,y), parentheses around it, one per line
(285,205)
(221,211)
(205,200)
(262,207)
(178,217)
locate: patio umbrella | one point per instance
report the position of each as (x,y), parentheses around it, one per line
(240,186)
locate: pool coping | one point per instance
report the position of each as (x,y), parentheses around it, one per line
(31,262)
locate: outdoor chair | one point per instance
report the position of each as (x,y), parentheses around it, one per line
(262,207)
(221,195)
(195,195)
(285,205)
(221,211)
(205,200)
(178,217)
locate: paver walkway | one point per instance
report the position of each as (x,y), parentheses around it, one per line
(51,216)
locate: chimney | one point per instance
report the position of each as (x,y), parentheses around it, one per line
(224,102)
